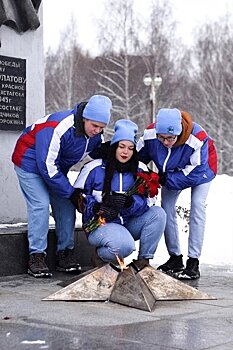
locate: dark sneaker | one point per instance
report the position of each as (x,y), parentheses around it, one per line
(66,261)
(173,265)
(139,264)
(37,266)
(191,272)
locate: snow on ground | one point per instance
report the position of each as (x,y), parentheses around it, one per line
(218,241)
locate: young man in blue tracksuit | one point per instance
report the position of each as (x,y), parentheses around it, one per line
(128,218)
(43,155)
(186,158)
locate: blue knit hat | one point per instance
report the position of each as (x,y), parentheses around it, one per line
(125,130)
(98,109)
(168,121)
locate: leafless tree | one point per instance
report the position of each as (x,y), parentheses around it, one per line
(132,49)
(198,80)
(212,82)
(67,74)
(159,52)
(118,39)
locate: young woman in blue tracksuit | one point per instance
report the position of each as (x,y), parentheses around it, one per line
(186,158)
(43,155)
(128,218)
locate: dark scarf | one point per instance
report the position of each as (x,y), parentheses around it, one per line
(123,167)
(112,165)
(79,124)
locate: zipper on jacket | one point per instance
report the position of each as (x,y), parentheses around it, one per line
(121,182)
(166,160)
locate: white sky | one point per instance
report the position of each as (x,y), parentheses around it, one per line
(57,14)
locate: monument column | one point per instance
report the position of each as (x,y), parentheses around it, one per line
(22,99)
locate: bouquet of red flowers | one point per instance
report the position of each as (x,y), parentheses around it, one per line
(146,184)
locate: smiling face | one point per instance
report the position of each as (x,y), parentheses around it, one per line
(124,151)
(92,128)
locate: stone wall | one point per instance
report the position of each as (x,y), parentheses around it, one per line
(29,46)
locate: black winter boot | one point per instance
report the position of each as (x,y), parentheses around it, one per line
(37,266)
(191,272)
(173,265)
(66,261)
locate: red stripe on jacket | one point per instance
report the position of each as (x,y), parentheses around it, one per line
(212,153)
(151,126)
(212,156)
(201,135)
(28,140)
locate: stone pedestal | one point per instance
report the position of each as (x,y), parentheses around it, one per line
(29,47)
(14,250)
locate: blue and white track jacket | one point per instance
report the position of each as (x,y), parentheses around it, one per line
(51,146)
(91,180)
(190,162)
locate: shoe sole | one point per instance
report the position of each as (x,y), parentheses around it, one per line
(40,275)
(71,269)
(172,272)
(187,277)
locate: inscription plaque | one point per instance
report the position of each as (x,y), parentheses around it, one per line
(12,93)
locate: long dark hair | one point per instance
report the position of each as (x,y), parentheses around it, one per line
(112,165)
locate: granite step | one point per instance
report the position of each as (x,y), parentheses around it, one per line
(14,250)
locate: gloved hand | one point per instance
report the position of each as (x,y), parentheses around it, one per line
(96,207)
(108,213)
(118,200)
(162,178)
(78,200)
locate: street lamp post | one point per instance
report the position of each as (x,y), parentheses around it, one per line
(154,84)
